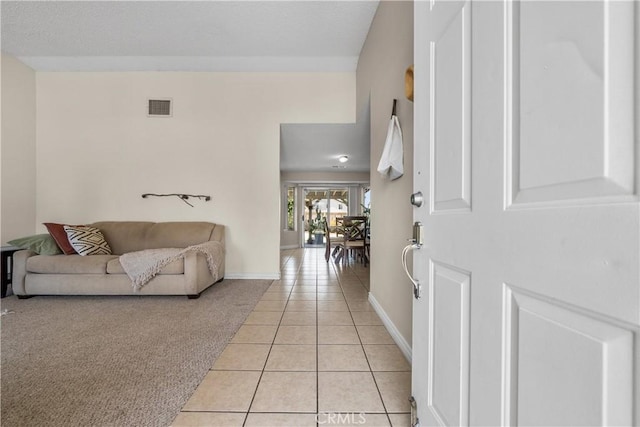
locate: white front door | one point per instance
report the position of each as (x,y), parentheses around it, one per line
(526,150)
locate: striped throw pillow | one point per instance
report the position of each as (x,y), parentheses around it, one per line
(87,240)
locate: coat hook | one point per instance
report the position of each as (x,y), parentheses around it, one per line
(393,112)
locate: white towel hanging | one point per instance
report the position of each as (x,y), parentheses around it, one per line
(392,161)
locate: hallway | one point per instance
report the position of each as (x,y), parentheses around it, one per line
(313,352)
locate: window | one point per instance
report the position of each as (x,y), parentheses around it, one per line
(291,209)
(366,201)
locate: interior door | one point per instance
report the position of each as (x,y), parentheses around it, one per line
(526,150)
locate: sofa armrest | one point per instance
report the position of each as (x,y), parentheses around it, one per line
(217,234)
(19,271)
(196,272)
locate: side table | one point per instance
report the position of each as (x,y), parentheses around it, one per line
(7,267)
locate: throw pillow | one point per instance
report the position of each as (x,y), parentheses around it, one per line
(87,240)
(60,236)
(42,244)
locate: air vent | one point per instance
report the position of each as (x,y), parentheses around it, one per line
(159,108)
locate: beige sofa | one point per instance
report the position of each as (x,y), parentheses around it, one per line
(103,274)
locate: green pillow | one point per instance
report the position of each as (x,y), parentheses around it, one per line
(42,244)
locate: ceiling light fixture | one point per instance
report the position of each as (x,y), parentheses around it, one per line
(343,159)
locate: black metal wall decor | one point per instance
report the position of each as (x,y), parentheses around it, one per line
(181,196)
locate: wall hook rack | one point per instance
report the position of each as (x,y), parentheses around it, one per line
(181,196)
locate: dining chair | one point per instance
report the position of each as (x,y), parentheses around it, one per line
(355,238)
(333,248)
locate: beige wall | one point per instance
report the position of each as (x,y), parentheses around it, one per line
(98,151)
(387,52)
(18,149)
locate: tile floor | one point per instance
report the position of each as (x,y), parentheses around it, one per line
(312,353)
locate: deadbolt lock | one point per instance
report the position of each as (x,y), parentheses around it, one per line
(417,199)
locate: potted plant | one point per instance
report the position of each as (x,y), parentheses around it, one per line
(316,227)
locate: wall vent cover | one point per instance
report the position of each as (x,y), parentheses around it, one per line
(160,107)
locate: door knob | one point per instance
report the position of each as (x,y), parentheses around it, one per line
(417,199)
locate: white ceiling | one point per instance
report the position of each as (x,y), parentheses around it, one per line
(232,36)
(187,35)
(316,147)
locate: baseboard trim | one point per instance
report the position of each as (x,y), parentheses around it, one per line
(253,276)
(282,248)
(404,346)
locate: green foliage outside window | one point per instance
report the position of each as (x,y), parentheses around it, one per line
(291,203)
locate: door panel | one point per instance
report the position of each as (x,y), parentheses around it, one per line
(525,145)
(566,367)
(450,97)
(449,357)
(570,99)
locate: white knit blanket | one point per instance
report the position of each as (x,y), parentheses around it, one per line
(142,266)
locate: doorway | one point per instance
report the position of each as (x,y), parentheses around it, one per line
(322,204)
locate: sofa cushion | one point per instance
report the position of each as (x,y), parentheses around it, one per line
(131,236)
(69,264)
(124,236)
(178,234)
(175,267)
(60,236)
(87,240)
(42,244)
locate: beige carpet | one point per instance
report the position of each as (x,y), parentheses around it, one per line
(113,361)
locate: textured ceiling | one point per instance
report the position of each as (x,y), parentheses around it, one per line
(187,35)
(316,147)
